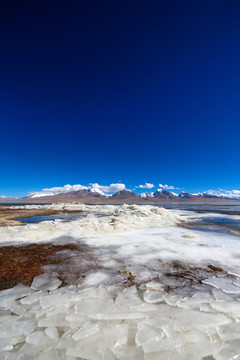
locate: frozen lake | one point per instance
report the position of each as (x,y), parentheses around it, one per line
(154,284)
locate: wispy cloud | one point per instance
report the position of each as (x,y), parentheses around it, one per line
(167,187)
(232,194)
(145,186)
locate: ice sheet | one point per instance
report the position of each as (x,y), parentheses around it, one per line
(101,325)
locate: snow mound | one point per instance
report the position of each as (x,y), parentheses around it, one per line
(100,219)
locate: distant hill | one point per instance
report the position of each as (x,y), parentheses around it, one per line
(97,196)
(124,194)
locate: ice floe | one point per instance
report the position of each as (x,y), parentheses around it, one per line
(118,323)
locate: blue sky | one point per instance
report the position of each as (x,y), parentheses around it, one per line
(110,92)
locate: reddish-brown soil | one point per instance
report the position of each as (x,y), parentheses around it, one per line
(23,263)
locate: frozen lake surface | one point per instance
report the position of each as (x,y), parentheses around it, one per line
(153,284)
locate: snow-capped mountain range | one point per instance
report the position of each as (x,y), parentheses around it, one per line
(118,192)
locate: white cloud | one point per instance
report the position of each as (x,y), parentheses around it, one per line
(232,194)
(112,188)
(167,187)
(145,186)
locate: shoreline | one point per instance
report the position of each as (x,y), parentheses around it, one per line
(8,216)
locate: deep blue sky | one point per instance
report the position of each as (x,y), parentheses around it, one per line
(108,91)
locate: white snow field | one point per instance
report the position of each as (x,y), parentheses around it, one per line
(158,315)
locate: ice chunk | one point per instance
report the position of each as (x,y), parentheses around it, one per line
(230,350)
(75,321)
(95,278)
(33,298)
(66,341)
(128,298)
(5,346)
(159,344)
(25,327)
(146,332)
(231,308)
(54,300)
(153,296)
(146,308)
(17,292)
(155,285)
(57,320)
(35,338)
(52,332)
(118,316)
(221,296)
(45,282)
(93,306)
(225,284)
(90,293)
(172,299)
(15,308)
(229,332)
(130,352)
(87,330)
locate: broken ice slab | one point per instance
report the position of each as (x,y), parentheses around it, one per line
(54,300)
(7,330)
(230,308)
(95,278)
(90,293)
(194,302)
(17,292)
(219,295)
(229,332)
(237,282)
(24,327)
(61,309)
(7,317)
(225,284)
(94,306)
(33,298)
(15,308)
(86,354)
(76,321)
(45,282)
(88,329)
(57,321)
(195,345)
(229,351)
(94,346)
(37,352)
(146,332)
(153,296)
(130,315)
(52,332)
(154,285)
(129,352)
(128,298)
(5,346)
(159,344)
(206,307)
(146,307)
(66,341)
(186,320)
(172,299)
(35,338)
